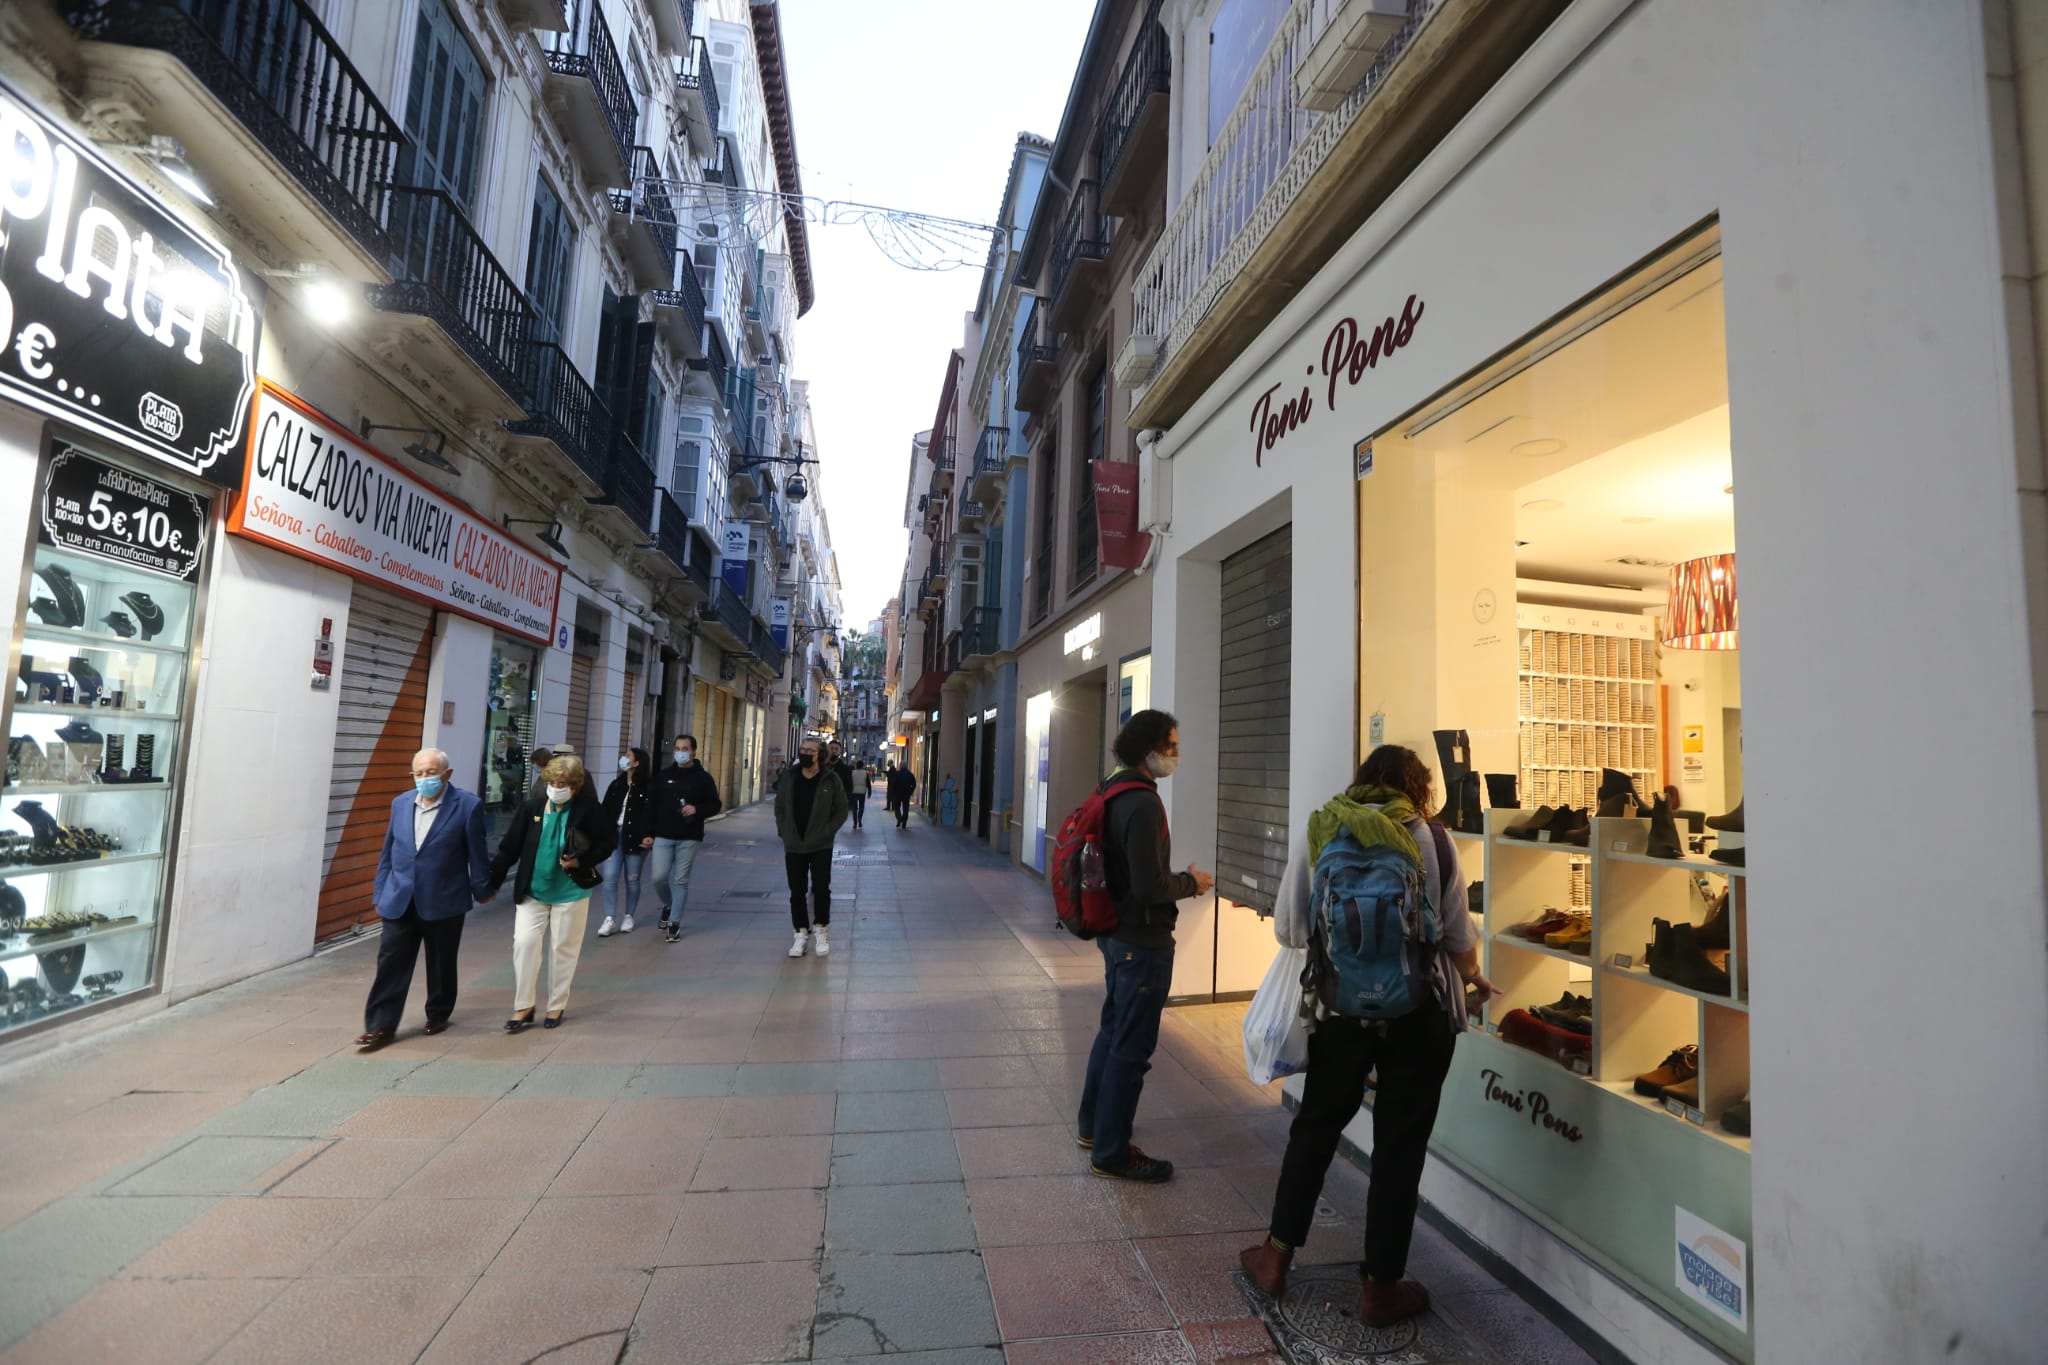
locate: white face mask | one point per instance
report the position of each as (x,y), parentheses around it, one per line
(685,757)
(560,795)
(625,762)
(1159,765)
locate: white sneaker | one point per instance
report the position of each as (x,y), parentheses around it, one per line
(626,925)
(605,930)
(824,941)
(796,949)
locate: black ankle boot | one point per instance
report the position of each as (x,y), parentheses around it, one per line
(1465,814)
(1500,791)
(1732,821)
(1617,794)
(1454,756)
(1714,933)
(1664,832)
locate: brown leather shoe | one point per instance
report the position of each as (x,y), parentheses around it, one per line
(1266,1268)
(373,1039)
(1383,1305)
(435,1026)
(1681,1066)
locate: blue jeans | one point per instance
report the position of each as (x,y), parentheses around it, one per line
(672,861)
(1135,982)
(621,889)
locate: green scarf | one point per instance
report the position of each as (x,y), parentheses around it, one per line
(1375,816)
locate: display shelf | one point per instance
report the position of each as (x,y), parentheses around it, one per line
(1624,1092)
(53,708)
(1539,846)
(1544,949)
(1590,724)
(36,630)
(1689,864)
(81,788)
(48,869)
(1641,973)
(10,954)
(1586,677)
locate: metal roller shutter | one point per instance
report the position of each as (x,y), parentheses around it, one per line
(577,728)
(1252,734)
(383,717)
(629,709)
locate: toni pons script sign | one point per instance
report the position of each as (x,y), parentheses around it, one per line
(313,490)
(1348,352)
(114,315)
(1531,1104)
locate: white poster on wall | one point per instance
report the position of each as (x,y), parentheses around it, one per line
(1713,1269)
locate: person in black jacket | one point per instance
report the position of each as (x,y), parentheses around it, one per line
(902,786)
(629,810)
(558,839)
(1137,956)
(685,796)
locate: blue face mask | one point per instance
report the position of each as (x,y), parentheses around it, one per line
(429,787)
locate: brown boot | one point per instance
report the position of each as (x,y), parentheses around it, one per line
(1266,1267)
(1383,1305)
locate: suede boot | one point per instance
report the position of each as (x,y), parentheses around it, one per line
(1617,794)
(1529,826)
(1713,933)
(1466,816)
(1664,841)
(1500,791)
(1732,821)
(1265,1265)
(1383,1305)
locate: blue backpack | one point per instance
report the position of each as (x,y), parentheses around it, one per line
(1376,928)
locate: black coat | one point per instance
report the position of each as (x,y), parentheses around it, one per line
(522,839)
(637,800)
(675,787)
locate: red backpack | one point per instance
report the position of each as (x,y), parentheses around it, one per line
(1080,888)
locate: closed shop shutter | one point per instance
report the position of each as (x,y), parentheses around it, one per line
(577,729)
(1252,736)
(629,709)
(382,722)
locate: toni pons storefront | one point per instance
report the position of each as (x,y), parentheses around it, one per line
(1695,287)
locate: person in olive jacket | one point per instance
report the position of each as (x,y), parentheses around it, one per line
(685,796)
(810,806)
(629,809)
(558,839)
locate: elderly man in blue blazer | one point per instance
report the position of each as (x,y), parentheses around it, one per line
(434,864)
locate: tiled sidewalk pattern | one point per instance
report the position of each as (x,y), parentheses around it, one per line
(723,1156)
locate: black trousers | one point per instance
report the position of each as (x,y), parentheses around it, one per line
(1412,1057)
(815,868)
(397,952)
(859,802)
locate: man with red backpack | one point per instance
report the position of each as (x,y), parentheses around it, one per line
(1137,955)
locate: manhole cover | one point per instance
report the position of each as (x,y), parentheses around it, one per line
(1317,1323)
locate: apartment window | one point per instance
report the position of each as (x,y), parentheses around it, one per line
(685,480)
(1238,38)
(444,107)
(1048,473)
(549,241)
(1094,435)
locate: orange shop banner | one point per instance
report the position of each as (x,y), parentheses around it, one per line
(314,490)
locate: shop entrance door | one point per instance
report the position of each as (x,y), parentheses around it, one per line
(987,796)
(970,790)
(1253,721)
(576,729)
(383,717)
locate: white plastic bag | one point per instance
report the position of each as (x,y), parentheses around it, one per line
(1275,1039)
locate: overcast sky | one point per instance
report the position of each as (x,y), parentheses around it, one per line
(912,104)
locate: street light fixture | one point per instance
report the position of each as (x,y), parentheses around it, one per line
(425,454)
(552,537)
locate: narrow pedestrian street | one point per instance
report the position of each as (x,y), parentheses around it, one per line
(723,1155)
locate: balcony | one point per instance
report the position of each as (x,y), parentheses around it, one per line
(444,276)
(991,464)
(981,636)
(711,365)
(697,94)
(587,93)
(679,313)
(673,20)
(723,167)
(727,620)
(1080,250)
(672,532)
(1284,187)
(1038,358)
(294,143)
(547,16)
(746,478)
(1130,141)
(764,648)
(628,486)
(973,512)
(644,223)
(563,411)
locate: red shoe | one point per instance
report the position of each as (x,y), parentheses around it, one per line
(1266,1268)
(1383,1305)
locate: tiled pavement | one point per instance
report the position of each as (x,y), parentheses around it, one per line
(723,1155)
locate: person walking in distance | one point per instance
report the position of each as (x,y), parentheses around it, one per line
(1408,1056)
(835,758)
(629,810)
(810,806)
(902,786)
(435,862)
(1137,957)
(558,840)
(685,796)
(857,793)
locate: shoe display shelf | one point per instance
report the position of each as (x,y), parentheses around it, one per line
(1588,698)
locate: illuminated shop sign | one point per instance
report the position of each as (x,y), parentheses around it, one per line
(114,316)
(1084,634)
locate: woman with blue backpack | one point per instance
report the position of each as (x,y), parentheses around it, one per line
(1373,891)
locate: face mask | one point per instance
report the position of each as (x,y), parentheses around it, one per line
(429,787)
(1159,765)
(810,760)
(559,795)
(685,757)
(625,762)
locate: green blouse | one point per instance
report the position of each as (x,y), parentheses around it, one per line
(550,882)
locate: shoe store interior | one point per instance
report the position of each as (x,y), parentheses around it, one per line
(1575,499)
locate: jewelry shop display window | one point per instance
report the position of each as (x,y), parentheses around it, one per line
(513,704)
(96,720)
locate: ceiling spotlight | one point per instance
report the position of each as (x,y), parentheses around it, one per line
(551,537)
(1543,446)
(328,302)
(429,455)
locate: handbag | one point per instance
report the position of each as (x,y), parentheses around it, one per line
(577,845)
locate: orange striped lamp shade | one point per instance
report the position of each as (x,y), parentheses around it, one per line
(1701,613)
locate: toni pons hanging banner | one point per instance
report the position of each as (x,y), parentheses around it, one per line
(1116,514)
(313,490)
(114,315)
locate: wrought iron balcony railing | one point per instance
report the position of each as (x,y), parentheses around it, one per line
(694,73)
(1147,72)
(993,455)
(729,609)
(982,631)
(274,66)
(690,300)
(712,363)
(766,650)
(1038,354)
(1083,236)
(629,482)
(647,202)
(586,51)
(562,407)
(672,532)
(442,270)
